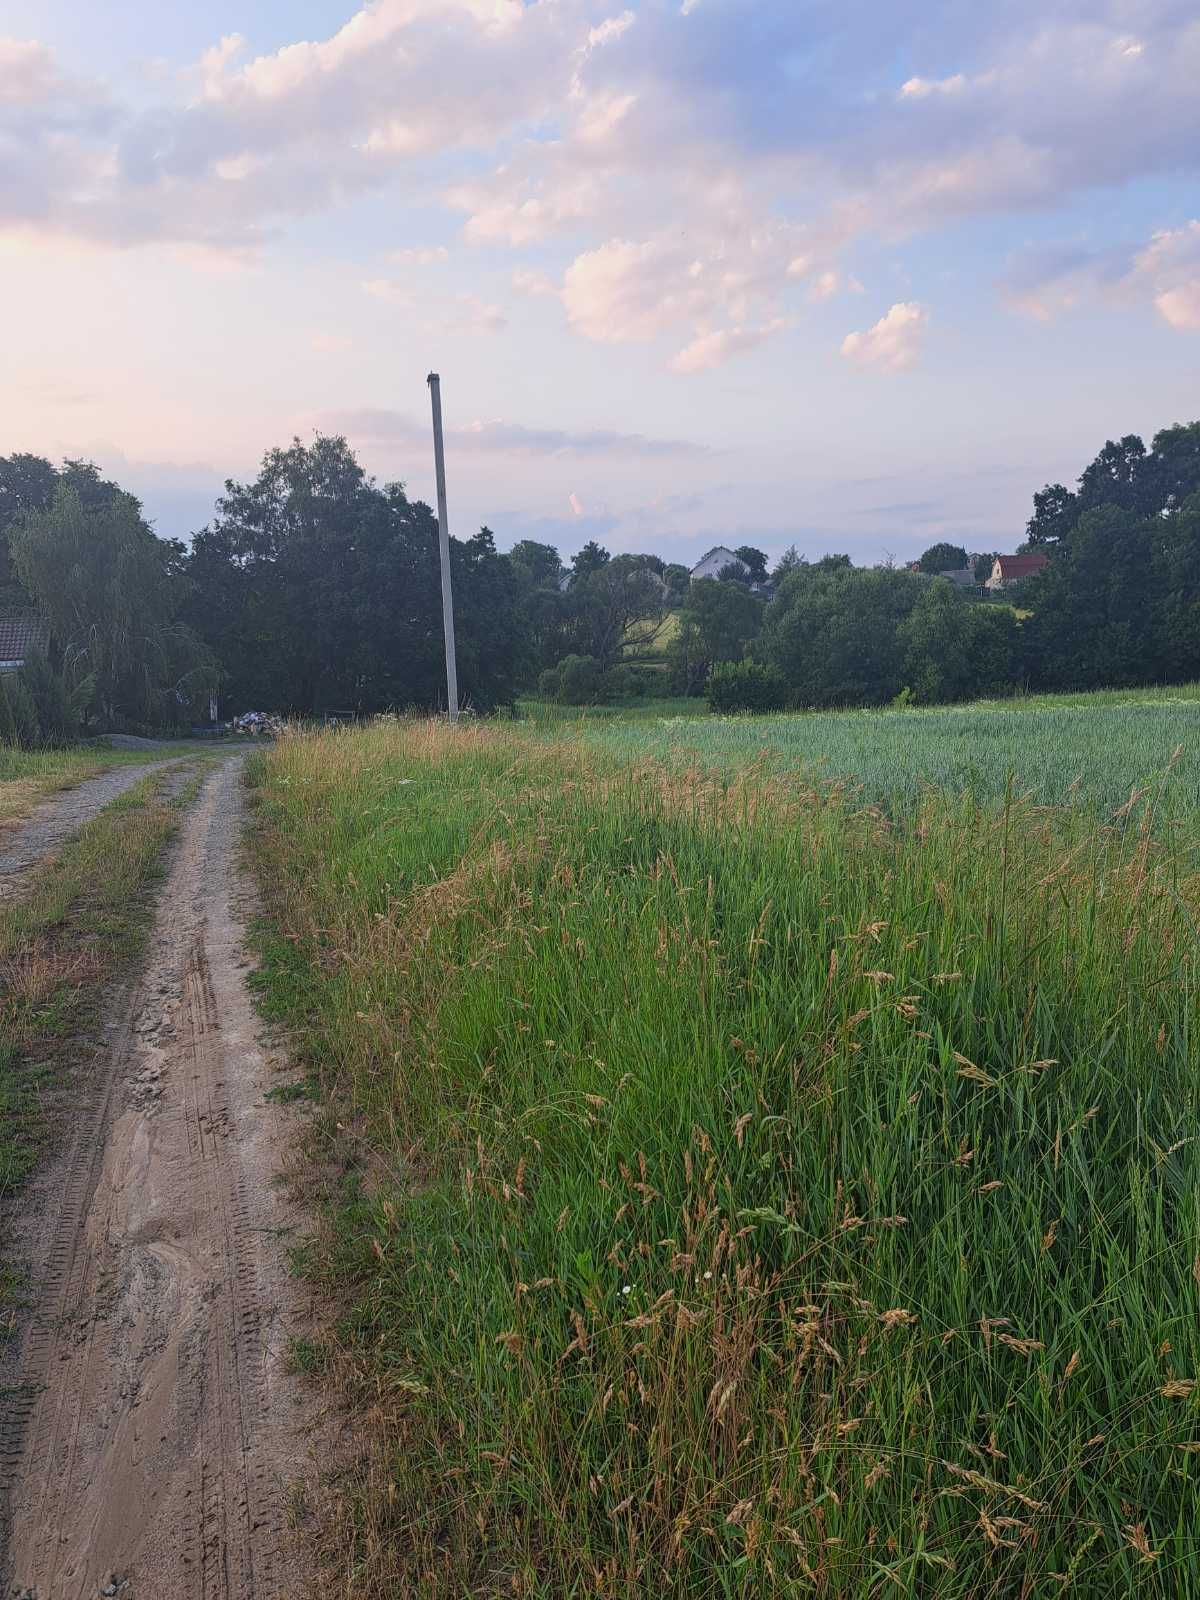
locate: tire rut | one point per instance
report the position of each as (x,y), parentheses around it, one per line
(149,1433)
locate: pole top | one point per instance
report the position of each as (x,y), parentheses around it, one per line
(432,378)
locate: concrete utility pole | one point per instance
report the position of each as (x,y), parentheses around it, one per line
(439,456)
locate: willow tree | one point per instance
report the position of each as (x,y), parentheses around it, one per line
(112,592)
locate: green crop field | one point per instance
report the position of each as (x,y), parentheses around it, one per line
(756,1157)
(1099,746)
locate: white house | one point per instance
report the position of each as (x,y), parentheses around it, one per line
(717,561)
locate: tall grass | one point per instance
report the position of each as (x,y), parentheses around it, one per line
(744,1191)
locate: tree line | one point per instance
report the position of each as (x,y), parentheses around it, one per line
(315,589)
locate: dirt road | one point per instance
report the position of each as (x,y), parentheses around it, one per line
(54,821)
(152,1438)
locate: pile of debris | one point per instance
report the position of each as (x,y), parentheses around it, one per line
(261,724)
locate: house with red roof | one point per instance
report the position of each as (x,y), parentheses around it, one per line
(1011,569)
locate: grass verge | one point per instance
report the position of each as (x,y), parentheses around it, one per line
(84,917)
(737,1191)
(28,776)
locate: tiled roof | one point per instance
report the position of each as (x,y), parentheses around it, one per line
(1013,567)
(21,634)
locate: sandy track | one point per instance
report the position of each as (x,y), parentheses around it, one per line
(152,1433)
(53,822)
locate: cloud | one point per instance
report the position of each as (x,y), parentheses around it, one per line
(27,72)
(1164,273)
(628,291)
(470,314)
(509,438)
(611,28)
(701,179)
(576,505)
(714,349)
(1169,269)
(419,257)
(388,289)
(922,88)
(329,344)
(894,343)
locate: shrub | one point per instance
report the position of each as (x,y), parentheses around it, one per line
(56,709)
(24,711)
(8,727)
(575,681)
(745,686)
(630,682)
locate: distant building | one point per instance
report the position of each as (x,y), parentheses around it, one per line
(20,635)
(717,561)
(1011,569)
(961,577)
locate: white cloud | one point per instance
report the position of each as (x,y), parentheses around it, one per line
(1181,306)
(697,203)
(497,437)
(474,316)
(722,292)
(894,343)
(611,28)
(1169,267)
(27,71)
(922,88)
(714,349)
(1165,274)
(537,285)
(418,257)
(388,289)
(330,344)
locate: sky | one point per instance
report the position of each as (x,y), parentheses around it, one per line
(858,275)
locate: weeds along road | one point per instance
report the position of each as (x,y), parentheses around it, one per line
(148,1433)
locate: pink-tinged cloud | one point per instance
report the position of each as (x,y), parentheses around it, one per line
(894,343)
(1165,274)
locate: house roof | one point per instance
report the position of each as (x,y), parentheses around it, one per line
(717,550)
(21,634)
(1013,567)
(963,577)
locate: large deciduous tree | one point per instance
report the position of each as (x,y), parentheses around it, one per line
(716,622)
(943,558)
(320,591)
(832,630)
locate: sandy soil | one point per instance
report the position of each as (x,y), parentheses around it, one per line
(50,824)
(152,1439)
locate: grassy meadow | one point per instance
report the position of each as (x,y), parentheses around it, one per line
(736,1182)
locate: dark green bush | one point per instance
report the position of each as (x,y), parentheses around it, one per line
(55,708)
(23,712)
(745,686)
(8,726)
(575,681)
